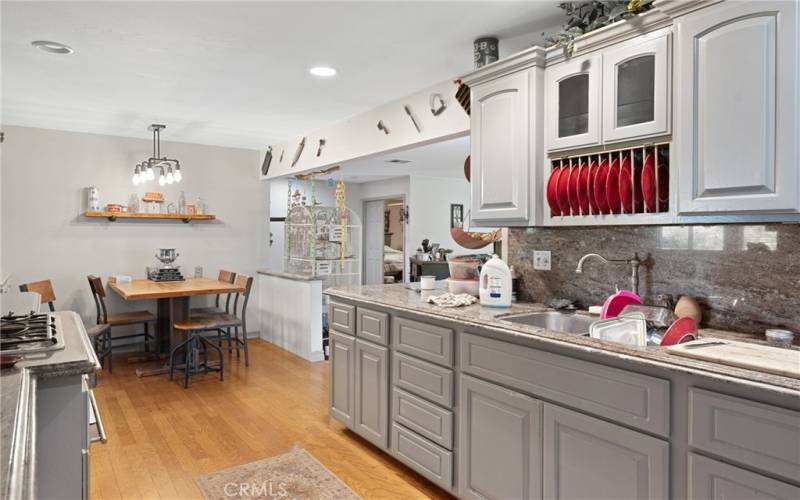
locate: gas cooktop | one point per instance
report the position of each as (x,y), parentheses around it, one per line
(30,333)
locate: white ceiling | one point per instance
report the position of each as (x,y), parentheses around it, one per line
(236,73)
(442,159)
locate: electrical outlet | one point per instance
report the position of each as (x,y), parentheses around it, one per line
(541,260)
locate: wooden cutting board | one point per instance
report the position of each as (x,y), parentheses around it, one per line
(756,357)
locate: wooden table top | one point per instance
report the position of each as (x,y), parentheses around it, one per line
(147,289)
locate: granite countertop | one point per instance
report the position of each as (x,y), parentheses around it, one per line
(289,275)
(18,391)
(401,299)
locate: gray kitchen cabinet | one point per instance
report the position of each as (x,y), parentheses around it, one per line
(712,480)
(736,144)
(585,457)
(372,392)
(500,442)
(342,382)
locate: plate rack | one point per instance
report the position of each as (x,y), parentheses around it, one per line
(578,195)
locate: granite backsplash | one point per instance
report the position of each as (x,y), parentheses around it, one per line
(746,277)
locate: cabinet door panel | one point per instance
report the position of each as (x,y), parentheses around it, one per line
(342,385)
(712,480)
(736,123)
(572,115)
(372,393)
(500,442)
(499,149)
(588,458)
(636,89)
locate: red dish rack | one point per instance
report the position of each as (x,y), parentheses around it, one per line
(624,181)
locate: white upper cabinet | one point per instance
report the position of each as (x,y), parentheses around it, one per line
(572,117)
(736,123)
(500,149)
(636,88)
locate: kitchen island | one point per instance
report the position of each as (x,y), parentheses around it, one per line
(486,408)
(44,456)
(290,306)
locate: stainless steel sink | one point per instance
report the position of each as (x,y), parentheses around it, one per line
(576,323)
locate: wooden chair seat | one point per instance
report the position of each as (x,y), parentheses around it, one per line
(210,322)
(96,330)
(130,318)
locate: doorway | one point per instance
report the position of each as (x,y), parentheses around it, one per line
(384,240)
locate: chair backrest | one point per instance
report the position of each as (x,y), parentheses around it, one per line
(44,288)
(227,277)
(246,283)
(98,293)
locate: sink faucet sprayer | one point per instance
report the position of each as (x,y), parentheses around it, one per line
(634,263)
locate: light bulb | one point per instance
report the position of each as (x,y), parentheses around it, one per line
(150,174)
(161,179)
(178,175)
(170,177)
(135,178)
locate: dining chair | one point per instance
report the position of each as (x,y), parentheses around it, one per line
(225,325)
(118,319)
(98,335)
(227,277)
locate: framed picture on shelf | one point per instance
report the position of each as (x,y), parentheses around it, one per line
(456,215)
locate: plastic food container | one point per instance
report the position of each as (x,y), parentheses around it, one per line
(659,316)
(463,286)
(780,338)
(630,329)
(464,268)
(427,282)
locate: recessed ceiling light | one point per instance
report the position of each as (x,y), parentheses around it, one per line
(324,71)
(52,47)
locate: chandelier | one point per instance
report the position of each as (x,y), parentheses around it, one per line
(169,169)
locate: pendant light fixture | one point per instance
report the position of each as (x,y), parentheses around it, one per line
(145,171)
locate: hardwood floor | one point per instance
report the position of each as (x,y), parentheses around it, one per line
(160,436)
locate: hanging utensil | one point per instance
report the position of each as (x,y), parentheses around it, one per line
(319,148)
(437,104)
(267,161)
(413,119)
(299,151)
(382,127)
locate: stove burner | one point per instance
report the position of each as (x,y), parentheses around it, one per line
(32,332)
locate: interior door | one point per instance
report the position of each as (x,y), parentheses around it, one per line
(736,124)
(636,88)
(572,89)
(373,242)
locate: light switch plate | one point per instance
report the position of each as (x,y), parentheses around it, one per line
(541,260)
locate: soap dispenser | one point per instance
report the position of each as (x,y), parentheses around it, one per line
(495,283)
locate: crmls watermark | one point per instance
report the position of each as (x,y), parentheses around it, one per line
(265,489)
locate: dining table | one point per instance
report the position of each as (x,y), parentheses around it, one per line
(172,299)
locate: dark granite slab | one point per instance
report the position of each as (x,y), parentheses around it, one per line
(401,299)
(746,277)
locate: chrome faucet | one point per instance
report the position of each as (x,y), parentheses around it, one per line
(634,263)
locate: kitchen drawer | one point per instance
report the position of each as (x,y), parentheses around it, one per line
(712,480)
(424,379)
(423,417)
(755,434)
(632,399)
(430,460)
(429,342)
(372,325)
(342,318)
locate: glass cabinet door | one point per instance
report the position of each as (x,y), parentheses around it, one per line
(573,103)
(636,89)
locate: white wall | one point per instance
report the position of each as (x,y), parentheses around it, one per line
(429,211)
(44,176)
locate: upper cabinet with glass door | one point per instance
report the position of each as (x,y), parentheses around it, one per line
(573,103)
(636,88)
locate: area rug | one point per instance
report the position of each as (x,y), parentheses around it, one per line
(293,475)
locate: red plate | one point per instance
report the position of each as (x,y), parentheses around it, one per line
(601,177)
(630,191)
(663,184)
(552,192)
(561,192)
(593,168)
(680,332)
(583,188)
(612,187)
(649,184)
(574,180)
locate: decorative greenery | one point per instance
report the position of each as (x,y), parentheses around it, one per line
(583,17)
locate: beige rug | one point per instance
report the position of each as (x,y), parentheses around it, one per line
(293,475)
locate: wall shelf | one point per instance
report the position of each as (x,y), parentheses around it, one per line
(113,216)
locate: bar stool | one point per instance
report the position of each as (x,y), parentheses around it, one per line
(194,345)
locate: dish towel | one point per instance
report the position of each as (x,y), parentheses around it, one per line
(453,300)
